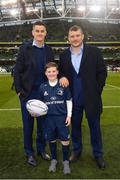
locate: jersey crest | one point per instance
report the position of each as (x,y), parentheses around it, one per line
(60,91)
(45,93)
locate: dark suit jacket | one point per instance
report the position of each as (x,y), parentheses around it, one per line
(25,68)
(93,75)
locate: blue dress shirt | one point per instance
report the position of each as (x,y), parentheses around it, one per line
(76,59)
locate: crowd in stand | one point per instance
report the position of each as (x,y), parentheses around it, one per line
(58,31)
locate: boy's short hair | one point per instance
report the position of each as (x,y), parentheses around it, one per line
(75,28)
(39,23)
(51,64)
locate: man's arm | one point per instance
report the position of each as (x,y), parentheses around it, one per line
(62,79)
(19,67)
(101,71)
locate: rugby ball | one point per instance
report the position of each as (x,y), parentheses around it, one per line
(36,107)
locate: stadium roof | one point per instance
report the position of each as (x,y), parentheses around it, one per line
(20,11)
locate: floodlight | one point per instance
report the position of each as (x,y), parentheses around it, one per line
(29,10)
(14,12)
(95,8)
(113,9)
(12,1)
(59,9)
(81,8)
(5,2)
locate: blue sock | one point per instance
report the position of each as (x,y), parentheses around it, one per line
(53,150)
(65,151)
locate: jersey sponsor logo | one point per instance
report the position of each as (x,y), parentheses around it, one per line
(53,98)
(60,91)
(54,102)
(45,93)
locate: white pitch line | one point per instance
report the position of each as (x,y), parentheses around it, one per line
(110,89)
(18,109)
(108,107)
(10,109)
(114,86)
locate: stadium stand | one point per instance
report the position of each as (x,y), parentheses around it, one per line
(57,31)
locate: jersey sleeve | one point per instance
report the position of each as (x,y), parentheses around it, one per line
(67,94)
(69,107)
(40,96)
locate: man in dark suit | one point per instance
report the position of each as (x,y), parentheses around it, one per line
(83,68)
(28,76)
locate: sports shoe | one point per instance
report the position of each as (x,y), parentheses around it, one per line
(52,167)
(66,169)
(74,157)
(100,162)
(31,160)
(44,156)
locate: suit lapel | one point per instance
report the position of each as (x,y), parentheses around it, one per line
(68,56)
(83,56)
(46,54)
(31,53)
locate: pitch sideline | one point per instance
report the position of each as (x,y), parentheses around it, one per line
(18,109)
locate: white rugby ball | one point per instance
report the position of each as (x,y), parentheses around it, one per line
(37,107)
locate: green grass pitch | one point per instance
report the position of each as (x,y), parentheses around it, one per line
(12,157)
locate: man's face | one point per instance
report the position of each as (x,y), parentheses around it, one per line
(39,33)
(51,73)
(75,38)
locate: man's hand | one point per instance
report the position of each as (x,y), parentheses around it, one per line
(33,114)
(68,121)
(18,94)
(64,82)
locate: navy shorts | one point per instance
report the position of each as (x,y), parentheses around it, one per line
(56,128)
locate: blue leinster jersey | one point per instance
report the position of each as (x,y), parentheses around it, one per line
(55,98)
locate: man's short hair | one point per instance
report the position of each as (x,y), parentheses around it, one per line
(39,23)
(51,64)
(75,28)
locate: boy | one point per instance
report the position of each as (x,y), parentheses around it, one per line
(58,118)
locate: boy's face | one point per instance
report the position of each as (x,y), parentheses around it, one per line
(51,73)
